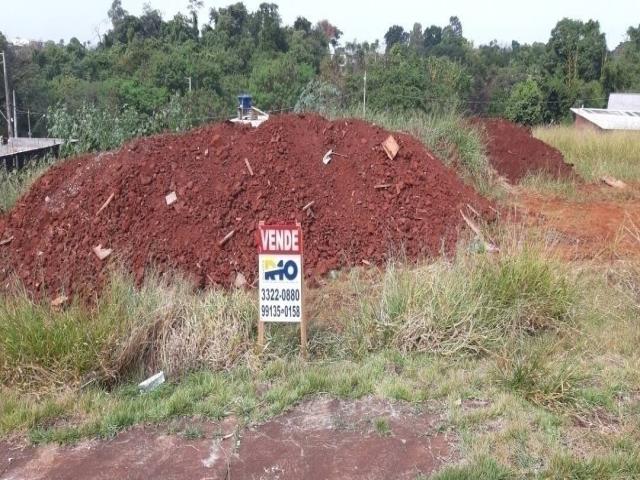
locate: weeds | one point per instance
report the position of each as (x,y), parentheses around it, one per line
(382,427)
(467,305)
(15,183)
(129,331)
(539,376)
(596,154)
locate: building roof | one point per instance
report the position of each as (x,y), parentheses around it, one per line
(624,101)
(610,119)
(21,145)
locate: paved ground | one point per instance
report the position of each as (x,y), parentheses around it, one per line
(321,439)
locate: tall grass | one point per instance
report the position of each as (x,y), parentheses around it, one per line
(161,326)
(594,153)
(15,183)
(469,305)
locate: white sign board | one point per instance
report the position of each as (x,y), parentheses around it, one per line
(280,273)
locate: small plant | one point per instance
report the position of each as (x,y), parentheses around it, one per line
(382,427)
(539,376)
(193,432)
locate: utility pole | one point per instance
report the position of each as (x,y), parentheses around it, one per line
(6,95)
(29,121)
(15,116)
(364,97)
(189,78)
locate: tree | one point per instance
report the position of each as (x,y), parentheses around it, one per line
(577,50)
(116,13)
(394,36)
(432,37)
(416,38)
(194,7)
(454,29)
(331,32)
(266,28)
(302,24)
(525,103)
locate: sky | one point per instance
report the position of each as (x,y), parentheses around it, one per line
(482,21)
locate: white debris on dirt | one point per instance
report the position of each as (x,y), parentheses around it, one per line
(152,383)
(214,454)
(171,198)
(102,253)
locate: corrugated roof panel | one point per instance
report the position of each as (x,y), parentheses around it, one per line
(610,120)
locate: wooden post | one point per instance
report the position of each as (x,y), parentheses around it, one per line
(260,335)
(303,323)
(303,316)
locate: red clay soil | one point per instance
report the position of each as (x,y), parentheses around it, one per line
(55,226)
(599,229)
(320,439)
(514,152)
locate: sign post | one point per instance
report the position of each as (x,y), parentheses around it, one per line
(280,278)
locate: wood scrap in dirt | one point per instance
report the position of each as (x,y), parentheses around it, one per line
(488,246)
(59,301)
(246,162)
(226,238)
(240,281)
(391,147)
(105,204)
(614,182)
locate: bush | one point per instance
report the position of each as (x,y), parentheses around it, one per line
(321,97)
(525,103)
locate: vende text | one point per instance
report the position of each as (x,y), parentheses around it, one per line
(279,240)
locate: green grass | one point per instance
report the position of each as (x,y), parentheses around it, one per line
(130,331)
(14,184)
(382,427)
(471,304)
(596,154)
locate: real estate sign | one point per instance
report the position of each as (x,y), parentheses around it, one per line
(280,273)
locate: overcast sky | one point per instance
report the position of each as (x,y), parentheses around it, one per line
(482,21)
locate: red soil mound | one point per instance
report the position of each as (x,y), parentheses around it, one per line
(514,152)
(56,225)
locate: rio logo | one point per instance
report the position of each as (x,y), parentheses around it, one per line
(280,270)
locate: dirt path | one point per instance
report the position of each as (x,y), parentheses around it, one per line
(320,439)
(601,228)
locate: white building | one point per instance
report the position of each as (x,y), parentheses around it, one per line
(622,113)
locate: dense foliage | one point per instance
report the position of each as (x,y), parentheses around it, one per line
(148,74)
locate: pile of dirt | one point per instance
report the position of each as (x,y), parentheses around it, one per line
(227,178)
(514,152)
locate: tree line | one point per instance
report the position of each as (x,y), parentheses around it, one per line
(149,74)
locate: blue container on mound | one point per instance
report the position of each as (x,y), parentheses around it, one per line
(244,102)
